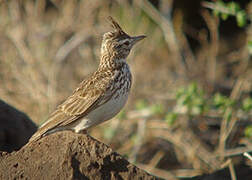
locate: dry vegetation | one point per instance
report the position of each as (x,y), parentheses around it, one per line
(48,47)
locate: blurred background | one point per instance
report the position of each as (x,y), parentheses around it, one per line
(190,108)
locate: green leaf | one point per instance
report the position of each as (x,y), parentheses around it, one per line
(187,99)
(218,3)
(180,92)
(241,18)
(248,131)
(125,156)
(141,104)
(216,12)
(224,16)
(196,110)
(250,47)
(229,102)
(121,115)
(193,88)
(233,7)
(247,104)
(157,109)
(170,118)
(219,100)
(135,139)
(229,114)
(221,3)
(109,133)
(191,99)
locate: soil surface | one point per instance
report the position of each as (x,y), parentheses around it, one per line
(67,155)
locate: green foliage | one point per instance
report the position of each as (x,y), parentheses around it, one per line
(224,10)
(224,105)
(222,102)
(170,118)
(135,139)
(125,156)
(248,131)
(157,109)
(234,7)
(247,104)
(250,47)
(241,18)
(109,133)
(192,101)
(228,114)
(121,115)
(191,98)
(141,104)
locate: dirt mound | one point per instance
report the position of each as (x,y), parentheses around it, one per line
(66,155)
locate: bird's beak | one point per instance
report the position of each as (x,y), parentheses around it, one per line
(138,38)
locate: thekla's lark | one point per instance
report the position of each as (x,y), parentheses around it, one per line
(101,96)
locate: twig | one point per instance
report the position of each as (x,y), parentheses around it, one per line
(168,31)
(185,47)
(71,44)
(212,24)
(219,8)
(236,151)
(226,127)
(140,136)
(159,172)
(235,95)
(231,168)
(156,158)
(190,145)
(186,173)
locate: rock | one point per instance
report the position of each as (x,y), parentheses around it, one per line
(15,128)
(67,155)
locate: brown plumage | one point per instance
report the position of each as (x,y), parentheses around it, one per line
(101,96)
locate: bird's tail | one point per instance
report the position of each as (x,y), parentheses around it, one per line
(35,136)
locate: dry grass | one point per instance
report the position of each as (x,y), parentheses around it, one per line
(47,48)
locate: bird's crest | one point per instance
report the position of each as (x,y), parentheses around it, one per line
(114,24)
(117,28)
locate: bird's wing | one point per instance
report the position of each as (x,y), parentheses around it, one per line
(91,93)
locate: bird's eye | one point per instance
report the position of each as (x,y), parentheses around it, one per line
(126,43)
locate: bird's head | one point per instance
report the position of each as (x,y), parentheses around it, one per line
(118,43)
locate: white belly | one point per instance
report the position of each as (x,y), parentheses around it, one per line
(102,113)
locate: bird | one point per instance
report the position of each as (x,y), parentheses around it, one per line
(103,94)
